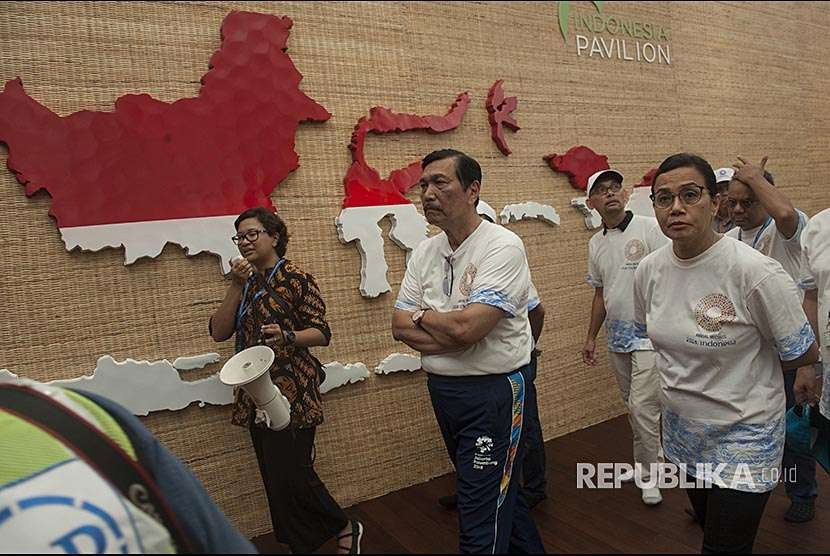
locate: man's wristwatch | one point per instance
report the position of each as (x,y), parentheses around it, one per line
(289,336)
(417,316)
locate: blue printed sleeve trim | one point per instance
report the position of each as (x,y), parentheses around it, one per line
(593,281)
(533,303)
(807,284)
(796,345)
(406,305)
(495,299)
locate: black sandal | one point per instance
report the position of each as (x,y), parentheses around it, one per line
(356,535)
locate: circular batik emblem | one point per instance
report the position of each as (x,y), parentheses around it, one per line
(635,250)
(713,311)
(467,279)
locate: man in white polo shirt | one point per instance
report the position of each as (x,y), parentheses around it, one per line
(613,255)
(463,305)
(766,220)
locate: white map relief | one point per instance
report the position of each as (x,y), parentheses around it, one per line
(530,210)
(360,224)
(592,218)
(398,362)
(142,386)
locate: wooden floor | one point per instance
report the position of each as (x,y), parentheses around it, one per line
(577,521)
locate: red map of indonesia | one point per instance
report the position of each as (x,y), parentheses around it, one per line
(370,198)
(153,172)
(363,184)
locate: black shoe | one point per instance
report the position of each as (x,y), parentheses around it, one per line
(449,502)
(801,512)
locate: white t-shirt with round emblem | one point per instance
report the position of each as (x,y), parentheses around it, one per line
(489,267)
(815,275)
(719,324)
(613,256)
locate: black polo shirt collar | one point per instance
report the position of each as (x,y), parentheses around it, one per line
(622,225)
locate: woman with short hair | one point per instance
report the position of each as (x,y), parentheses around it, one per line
(723,320)
(272,301)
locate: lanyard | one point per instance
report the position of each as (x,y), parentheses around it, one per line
(757,235)
(243,307)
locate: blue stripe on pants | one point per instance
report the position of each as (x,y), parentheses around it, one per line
(480,419)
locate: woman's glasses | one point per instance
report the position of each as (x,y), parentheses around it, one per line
(250,235)
(688,195)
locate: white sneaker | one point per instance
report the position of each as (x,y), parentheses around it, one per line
(652,496)
(626,476)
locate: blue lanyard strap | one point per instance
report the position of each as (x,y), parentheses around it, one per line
(243,307)
(758,234)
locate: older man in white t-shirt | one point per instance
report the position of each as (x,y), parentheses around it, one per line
(767,221)
(463,305)
(613,255)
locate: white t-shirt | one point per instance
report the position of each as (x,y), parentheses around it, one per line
(767,239)
(613,256)
(815,275)
(489,267)
(719,324)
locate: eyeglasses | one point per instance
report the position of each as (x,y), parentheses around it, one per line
(250,235)
(746,203)
(689,196)
(614,187)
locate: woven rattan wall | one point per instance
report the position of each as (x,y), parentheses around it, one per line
(745,78)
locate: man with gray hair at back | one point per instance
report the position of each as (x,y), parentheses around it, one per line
(533,467)
(463,306)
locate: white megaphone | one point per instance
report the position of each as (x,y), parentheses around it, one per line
(249,369)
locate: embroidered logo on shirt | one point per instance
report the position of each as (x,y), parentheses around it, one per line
(764,245)
(635,250)
(713,311)
(467,278)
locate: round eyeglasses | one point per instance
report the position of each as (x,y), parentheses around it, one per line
(689,195)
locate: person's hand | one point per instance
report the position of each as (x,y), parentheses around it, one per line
(589,352)
(241,270)
(749,173)
(272,335)
(806,388)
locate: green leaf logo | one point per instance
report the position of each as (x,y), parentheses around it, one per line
(564,10)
